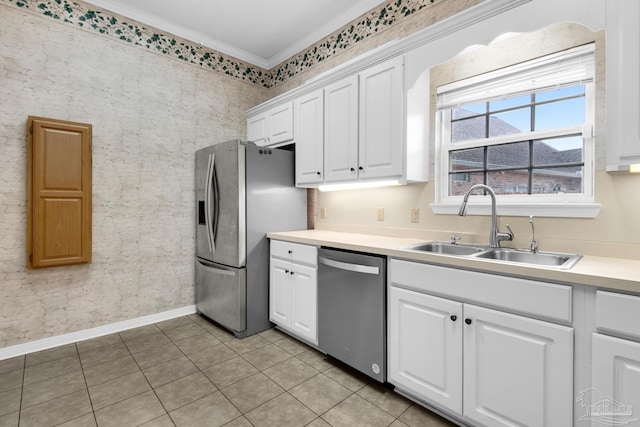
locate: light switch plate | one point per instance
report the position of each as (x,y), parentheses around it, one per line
(323,213)
(380,214)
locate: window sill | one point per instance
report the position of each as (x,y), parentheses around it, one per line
(555,210)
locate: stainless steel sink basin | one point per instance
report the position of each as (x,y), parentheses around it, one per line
(543,259)
(508,255)
(446,248)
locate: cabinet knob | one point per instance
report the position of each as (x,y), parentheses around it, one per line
(360,168)
(290,252)
(291,273)
(286,272)
(352,169)
(467,321)
(318,173)
(453,317)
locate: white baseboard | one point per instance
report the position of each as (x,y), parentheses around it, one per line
(46,343)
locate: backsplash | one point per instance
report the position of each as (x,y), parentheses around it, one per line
(111,25)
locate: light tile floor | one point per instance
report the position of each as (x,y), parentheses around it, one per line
(189,372)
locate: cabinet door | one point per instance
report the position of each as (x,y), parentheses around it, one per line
(309,124)
(280,123)
(517,371)
(381,120)
(280,293)
(341,130)
(257,129)
(59,192)
(425,346)
(615,382)
(623,83)
(304,302)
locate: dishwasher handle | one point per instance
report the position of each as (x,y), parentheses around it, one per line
(367,269)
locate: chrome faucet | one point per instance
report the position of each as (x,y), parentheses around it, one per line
(495,236)
(534,243)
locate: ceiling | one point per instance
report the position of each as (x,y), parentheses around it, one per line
(261,32)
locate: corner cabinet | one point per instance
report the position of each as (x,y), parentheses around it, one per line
(293,289)
(482,365)
(272,127)
(623,84)
(364,124)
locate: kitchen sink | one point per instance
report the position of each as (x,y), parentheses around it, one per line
(446,248)
(508,255)
(544,259)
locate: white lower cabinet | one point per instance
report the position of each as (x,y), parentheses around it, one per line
(614,397)
(485,366)
(293,289)
(425,345)
(517,371)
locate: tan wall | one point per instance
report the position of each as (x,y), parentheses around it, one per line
(149,115)
(615,232)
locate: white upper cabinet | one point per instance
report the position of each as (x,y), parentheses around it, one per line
(623,84)
(309,123)
(364,125)
(272,127)
(381,147)
(341,130)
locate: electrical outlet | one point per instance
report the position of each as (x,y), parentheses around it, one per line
(415,215)
(323,213)
(380,214)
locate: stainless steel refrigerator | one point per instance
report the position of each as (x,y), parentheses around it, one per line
(242,192)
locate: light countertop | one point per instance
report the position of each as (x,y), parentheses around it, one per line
(612,273)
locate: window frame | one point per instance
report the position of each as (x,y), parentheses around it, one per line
(552,205)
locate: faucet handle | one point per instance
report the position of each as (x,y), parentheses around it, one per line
(511,234)
(454,239)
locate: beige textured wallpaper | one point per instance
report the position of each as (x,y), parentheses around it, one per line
(149,115)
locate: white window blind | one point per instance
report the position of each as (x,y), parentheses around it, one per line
(570,67)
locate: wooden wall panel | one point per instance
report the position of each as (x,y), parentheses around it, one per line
(59,204)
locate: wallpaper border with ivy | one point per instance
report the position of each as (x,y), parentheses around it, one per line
(112,25)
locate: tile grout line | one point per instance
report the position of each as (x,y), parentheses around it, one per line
(24,371)
(93,412)
(185,355)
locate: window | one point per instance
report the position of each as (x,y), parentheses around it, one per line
(525,130)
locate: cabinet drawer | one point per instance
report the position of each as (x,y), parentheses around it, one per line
(296,252)
(548,301)
(618,313)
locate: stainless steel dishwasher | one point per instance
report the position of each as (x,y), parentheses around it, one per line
(352,310)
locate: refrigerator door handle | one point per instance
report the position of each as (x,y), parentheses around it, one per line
(207,203)
(216,203)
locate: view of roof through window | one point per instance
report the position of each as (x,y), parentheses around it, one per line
(534,164)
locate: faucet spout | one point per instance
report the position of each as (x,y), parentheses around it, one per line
(495,236)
